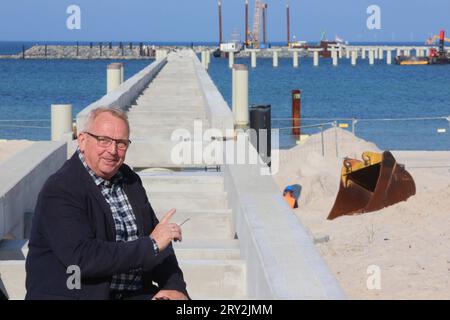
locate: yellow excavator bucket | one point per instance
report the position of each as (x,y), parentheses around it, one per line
(372,184)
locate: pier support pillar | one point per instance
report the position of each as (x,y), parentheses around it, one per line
(334,56)
(295,59)
(316,59)
(371,57)
(204,60)
(381,54)
(61,115)
(241,116)
(348,53)
(253,59)
(275,59)
(354,57)
(389,56)
(375,52)
(208,57)
(230,59)
(399,52)
(340,52)
(113,76)
(363,53)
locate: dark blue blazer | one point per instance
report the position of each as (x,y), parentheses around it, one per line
(73,225)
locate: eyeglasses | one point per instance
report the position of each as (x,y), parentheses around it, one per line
(105,142)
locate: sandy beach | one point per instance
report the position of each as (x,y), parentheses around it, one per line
(10,147)
(409,242)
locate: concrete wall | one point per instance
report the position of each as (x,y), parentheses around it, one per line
(219,114)
(21,179)
(282,261)
(126,93)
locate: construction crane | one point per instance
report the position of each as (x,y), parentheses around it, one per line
(433,39)
(254,35)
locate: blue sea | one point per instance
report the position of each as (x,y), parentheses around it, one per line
(367,93)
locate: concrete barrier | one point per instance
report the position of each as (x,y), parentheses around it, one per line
(21,179)
(282,261)
(219,114)
(126,93)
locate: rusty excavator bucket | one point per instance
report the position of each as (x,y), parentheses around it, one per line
(372,184)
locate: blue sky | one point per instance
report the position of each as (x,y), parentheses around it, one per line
(196,20)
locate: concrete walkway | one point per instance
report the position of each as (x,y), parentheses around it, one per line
(172,101)
(209,255)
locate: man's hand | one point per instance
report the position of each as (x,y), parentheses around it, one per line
(169,295)
(166,232)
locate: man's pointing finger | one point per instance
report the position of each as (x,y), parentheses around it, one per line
(168,216)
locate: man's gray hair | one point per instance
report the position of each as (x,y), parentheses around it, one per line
(115,111)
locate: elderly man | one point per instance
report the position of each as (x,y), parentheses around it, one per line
(95,234)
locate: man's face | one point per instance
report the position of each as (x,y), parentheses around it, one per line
(104,161)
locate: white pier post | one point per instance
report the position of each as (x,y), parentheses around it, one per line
(363,53)
(61,115)
(399,52)
(347,53)
(241,116)
(295,59)
(113,76)
(371,57)
(275,59)
(208,57)
(341,53)
(230,59)
(316,58)
(375,51)
(354,57)
(381,54)
(204,64)
(389,56)
(253,58)
(334,56)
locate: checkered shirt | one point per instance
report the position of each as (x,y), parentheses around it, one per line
(125,223)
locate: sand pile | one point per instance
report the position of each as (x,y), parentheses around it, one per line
(409,242)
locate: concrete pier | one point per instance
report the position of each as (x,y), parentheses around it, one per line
(388,56)
(354,57)
(295,59)
(275,59)
(230,59)
(253,58)
(363,53)
(371,56)
(241,114)
(61,120)
(315,56)
(334,57)
(114,76)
